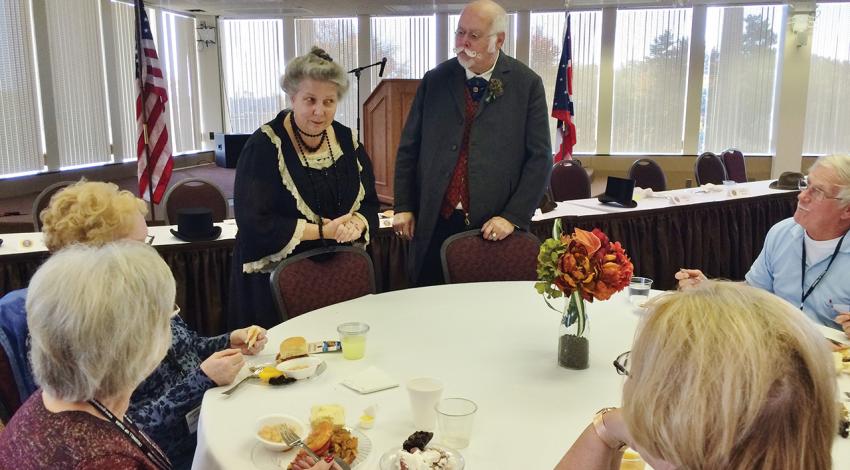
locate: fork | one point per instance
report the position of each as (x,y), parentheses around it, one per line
(293,440)
(252,375)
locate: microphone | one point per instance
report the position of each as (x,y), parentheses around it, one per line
(383,64)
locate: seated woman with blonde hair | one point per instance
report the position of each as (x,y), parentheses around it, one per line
(721,376)
(95,214)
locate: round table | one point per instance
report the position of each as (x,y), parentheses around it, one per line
(494,343)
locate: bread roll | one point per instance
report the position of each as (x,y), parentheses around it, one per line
(295,346)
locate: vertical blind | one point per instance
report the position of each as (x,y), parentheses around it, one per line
(827,130)
(78,83)
(408,44)
(650,79)
(547,40)
(177,52)
(509,47)
(338,37)
(125,90)
(20,123)
(252,63)
(738,99)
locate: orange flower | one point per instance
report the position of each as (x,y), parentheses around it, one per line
(584,261)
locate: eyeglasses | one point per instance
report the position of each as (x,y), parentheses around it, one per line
(473,35)
(622,363)
(817,192)
(149,239)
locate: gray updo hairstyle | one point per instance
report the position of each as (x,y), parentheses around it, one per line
(316,65)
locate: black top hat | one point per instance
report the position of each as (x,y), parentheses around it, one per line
(787,180)
(195,224)
(619,191)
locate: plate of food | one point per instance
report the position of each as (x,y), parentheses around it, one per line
(348,444)
(417,452)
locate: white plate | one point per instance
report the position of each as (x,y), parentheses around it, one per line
(265,459)
(389,461)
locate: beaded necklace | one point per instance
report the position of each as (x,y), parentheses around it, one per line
(301,146)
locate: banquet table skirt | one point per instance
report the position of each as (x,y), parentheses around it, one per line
(721,238)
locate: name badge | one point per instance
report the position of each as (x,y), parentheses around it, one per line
(192,420)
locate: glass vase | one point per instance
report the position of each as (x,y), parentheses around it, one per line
(573,344)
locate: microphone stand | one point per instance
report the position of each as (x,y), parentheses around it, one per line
(357,71)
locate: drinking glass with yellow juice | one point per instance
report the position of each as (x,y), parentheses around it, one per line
(632,461)
(353,338)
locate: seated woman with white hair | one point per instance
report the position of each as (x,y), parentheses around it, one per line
(721,376)
(90,348)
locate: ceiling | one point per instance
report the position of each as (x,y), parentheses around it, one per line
(330,8)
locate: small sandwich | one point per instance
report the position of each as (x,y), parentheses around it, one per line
(291,348)
(253,332)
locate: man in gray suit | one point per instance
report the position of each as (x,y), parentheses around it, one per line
(475,151)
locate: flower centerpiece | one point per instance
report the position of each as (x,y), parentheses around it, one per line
(584,266)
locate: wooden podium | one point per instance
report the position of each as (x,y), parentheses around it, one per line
(384,115)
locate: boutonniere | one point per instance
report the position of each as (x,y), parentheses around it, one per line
(495,89)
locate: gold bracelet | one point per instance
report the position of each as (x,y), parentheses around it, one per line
(602,431)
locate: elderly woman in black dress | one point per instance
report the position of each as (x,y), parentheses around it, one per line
(303,181)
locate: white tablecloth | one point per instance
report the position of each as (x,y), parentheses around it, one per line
(494,343)
(33,242)
(677,197)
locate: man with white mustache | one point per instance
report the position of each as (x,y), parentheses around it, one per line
(805,257)
(475,152)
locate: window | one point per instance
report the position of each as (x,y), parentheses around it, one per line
(741,46)
(124,91)
(509,47)
(829,91)
(408,44)
(77,83)
(178,54)
(547,40)
(252,63)
(337,36)
(650,79)
(20,122)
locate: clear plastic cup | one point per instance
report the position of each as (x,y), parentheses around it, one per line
(455,417)
(639,288)
(353,338)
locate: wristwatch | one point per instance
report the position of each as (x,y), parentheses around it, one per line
(602,431)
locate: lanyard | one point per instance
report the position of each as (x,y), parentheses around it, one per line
(151,451)
(803,292)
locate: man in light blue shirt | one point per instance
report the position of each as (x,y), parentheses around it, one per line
(806,259)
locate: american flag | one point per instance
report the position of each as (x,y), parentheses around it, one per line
(156,167)
(562,106)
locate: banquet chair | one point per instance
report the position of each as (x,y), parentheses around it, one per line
(736,167)
(194,192)
(569,181)
(467,257)
(709,169)
(321,277)
(43,200)
(648,174)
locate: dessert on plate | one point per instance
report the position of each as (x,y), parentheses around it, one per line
(416,455)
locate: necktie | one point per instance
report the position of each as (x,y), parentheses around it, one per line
(477,86)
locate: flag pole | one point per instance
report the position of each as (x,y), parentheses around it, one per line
(139,66)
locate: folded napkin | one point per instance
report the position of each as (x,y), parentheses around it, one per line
(370,380)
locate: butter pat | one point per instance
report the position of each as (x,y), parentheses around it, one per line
(333,413)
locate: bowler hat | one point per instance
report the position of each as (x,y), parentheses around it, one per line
(195,224)
(787,180)
(618,191)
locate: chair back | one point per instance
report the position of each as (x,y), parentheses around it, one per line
(736,167)
(569,181)
(194,192)
(321,277)
(10,398)
(709,169)
(648,174)
(467,257)
(43,200)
